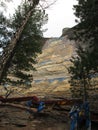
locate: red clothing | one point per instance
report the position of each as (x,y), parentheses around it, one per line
(1,97)
(36,99)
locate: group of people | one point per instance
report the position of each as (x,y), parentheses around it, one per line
(79,114)
(80,117)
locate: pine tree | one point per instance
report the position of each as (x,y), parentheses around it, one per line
(8,54)
(5,31)
(28,45)
(87,12)
(85,64)
(80,74)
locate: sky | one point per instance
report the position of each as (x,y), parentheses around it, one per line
(60,15)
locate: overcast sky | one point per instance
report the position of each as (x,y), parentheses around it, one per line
(60,16)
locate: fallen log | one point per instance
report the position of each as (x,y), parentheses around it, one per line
(16,99)
(47,102)
(22,107)
(52,102)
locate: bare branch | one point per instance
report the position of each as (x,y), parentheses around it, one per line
(8,92)
(44,4)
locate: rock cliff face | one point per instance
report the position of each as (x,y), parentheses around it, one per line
(52,75)
(55,59)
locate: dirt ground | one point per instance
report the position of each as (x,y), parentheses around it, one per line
(12,118)
(16,119)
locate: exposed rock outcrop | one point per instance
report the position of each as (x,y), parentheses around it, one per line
(52,74)
(55,59)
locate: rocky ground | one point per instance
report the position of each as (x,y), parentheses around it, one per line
(15,119)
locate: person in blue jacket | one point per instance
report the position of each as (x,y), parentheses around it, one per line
(40,105)
(73,118)
(80,117)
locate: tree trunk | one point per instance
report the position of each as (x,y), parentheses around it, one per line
(8,54)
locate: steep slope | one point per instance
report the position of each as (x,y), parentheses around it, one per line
(51,77)
(55,58)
